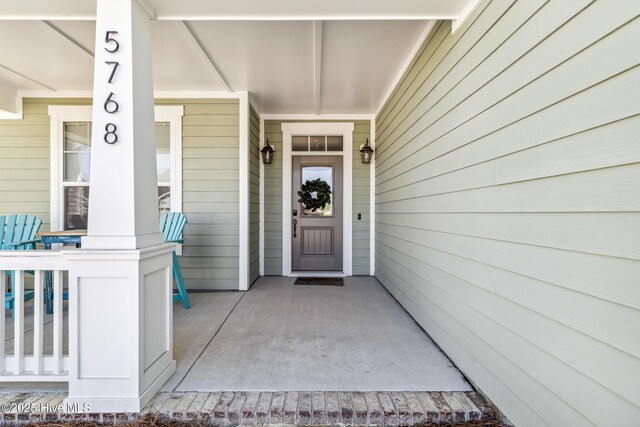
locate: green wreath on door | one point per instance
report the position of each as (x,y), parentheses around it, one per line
(322,192)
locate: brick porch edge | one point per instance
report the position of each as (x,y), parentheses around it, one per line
(281,408)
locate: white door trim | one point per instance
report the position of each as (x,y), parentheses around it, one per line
(346,130)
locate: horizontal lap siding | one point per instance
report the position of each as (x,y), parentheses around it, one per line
(273,201)
(254,196)
(210,180)
(507,199)
(210,198)
(25,166)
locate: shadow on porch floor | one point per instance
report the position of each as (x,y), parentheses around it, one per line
(279,336)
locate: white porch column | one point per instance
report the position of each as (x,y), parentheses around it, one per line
(120,303)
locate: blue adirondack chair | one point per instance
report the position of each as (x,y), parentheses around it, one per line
(171,226)
(17,232)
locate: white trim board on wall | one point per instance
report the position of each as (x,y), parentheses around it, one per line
(243,261)
(318,128)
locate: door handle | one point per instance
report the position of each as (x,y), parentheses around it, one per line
(295,225)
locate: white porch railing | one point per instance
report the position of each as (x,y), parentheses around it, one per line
(41,365)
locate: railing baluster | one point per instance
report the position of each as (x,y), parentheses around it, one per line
(38,320)
(18,365)
(3,321)
(18,321)
(57,321)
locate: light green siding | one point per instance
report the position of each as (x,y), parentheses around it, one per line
(210,198)
(507,199)
(210,181)
(25,170)
(273,201)
(254,195)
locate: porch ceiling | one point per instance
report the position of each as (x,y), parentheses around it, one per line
(292,66)
(304,57)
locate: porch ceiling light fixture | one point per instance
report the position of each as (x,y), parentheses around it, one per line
(267,153)
(366,153)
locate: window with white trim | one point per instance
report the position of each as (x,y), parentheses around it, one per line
(70,159)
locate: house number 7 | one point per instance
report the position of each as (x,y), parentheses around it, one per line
(110,105)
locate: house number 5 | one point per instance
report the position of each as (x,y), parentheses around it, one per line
(110,105)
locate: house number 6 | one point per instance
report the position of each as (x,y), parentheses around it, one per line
(110,105)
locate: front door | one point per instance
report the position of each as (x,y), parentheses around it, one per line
(317,235)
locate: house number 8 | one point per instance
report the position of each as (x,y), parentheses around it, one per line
(110,105)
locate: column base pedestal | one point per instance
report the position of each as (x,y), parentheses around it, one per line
(120,327)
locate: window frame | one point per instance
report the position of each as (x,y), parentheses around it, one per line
(59,114)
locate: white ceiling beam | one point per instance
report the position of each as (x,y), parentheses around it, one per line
(68,38)
(464,14)
(202,53)
(317,64)
(19,74)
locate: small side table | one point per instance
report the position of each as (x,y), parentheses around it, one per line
(68,237)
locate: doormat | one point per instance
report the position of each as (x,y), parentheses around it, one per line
(320,281)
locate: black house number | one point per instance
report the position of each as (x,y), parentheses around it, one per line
(111,106)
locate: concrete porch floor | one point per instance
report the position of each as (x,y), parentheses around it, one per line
(281,337)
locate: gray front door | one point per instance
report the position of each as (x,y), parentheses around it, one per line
(317,236)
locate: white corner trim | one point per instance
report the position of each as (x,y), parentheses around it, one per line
(243,262)
(83,113)
(261,225)
(372,200)
(464,14)
(415,51)
(254,102)
(324,128)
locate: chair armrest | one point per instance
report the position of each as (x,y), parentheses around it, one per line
(23,242)
(175,241)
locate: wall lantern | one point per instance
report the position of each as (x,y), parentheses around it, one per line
(267,153)
(366,153)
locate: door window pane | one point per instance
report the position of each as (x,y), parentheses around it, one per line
(334,143)
(325,173)
(300,143)
(316,143)
(76,207)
